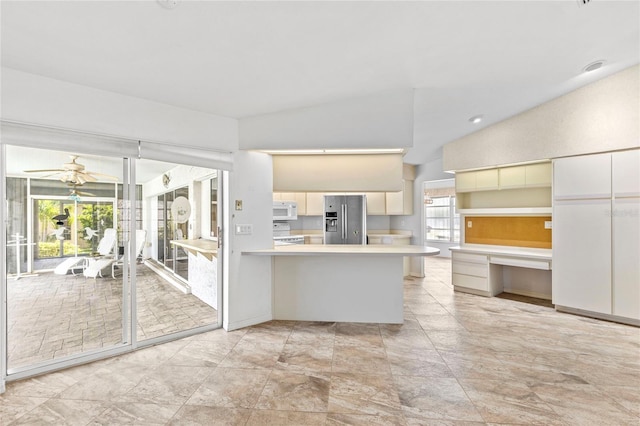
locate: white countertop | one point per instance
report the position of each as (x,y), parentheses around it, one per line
(207,248)
(534,253)
(345,249)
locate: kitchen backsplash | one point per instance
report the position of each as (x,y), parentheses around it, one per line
(315,222)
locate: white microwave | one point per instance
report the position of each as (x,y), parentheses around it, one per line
(285,210)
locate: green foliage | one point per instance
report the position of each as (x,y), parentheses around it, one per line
(52,248)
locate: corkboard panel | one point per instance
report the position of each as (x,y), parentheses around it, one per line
(520,231)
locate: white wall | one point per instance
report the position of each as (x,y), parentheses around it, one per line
(39,100)
(602,116)
(249,293)
(383,120)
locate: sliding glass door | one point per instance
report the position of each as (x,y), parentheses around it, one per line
(105,255)
(63,226)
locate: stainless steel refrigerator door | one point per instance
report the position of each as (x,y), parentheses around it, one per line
(333,226)
(355,219)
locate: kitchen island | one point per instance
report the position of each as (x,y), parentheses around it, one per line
(345,283)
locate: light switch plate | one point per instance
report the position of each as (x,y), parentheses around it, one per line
(548,224)
(245,229)
(469,224)
(238,204)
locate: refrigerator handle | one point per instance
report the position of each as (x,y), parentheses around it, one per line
(344,221)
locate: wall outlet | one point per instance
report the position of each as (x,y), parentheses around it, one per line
(548,224)
(245,229)
(469,224)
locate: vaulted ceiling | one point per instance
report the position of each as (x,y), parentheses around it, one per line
(241,58)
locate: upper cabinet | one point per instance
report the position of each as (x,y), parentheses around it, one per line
(479,180)
(299,197)
(587,176)
(523,188)
(530,175)
(378,203)
(400,203)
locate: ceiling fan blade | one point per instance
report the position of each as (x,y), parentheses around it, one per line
(86,177)
(45,170)
(114,178)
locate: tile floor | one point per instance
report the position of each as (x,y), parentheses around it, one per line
(51,316)
(457,360)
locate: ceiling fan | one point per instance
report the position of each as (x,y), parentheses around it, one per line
(74,173)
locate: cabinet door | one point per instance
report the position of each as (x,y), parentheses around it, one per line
(315,203)
(376,203)
(626,252)
(299,197)
(465,181)
(512,177)
(587,176)
(581,271)
(538,174)
(395,203)
(626,173)
(486,179)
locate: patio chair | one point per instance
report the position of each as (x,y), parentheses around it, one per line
(141,236)
(105,248)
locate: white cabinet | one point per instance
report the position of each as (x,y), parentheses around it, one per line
(470,272)
(376,203)
(513,177)
(400,203)
(626,256)
(480,180)
(582,255)
(586,176)
(526,176)
(596,233)
(315,203)
(626,233)
(538,174)
(299,197)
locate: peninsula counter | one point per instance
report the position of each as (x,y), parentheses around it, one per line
(346,283)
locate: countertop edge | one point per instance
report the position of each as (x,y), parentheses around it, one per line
(341,250)
(506,251)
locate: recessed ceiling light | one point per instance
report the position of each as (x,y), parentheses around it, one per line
(594,66)
(169,4)
(475,119)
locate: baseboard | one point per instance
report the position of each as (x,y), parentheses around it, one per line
(236,325)
(597,315)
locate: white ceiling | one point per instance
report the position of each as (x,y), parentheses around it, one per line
(241,58)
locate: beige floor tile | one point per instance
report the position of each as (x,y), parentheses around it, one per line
(231,388)
(295,392)
(458,360)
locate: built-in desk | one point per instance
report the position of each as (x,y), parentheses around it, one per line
(490,270)
(203,268)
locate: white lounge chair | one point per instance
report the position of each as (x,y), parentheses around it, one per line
(141,239)
(105,248)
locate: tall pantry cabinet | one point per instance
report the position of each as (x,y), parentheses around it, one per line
(596,233)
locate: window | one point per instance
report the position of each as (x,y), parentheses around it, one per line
(442,223)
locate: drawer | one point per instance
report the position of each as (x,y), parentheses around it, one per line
(469,257)
(468,281)
(467,268)
(521,263)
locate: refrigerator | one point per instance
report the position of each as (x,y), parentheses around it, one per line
(345,219)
